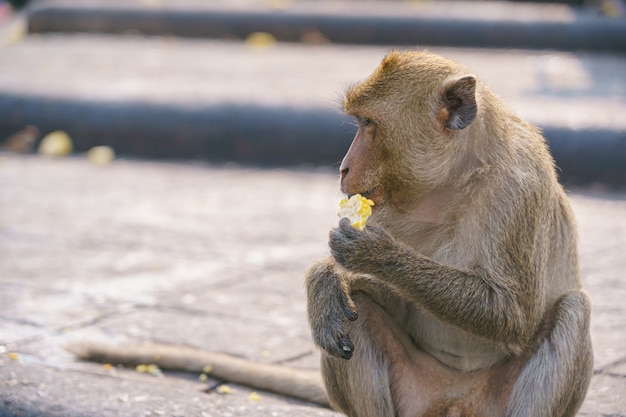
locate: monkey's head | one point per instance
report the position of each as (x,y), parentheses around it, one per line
(414,117)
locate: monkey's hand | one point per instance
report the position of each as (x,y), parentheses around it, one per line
(367,251)
(329,308)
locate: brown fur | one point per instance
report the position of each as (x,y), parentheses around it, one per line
(469,296)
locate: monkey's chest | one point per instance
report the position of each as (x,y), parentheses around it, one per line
(451,345)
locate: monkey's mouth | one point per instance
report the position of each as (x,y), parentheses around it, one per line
(366,193)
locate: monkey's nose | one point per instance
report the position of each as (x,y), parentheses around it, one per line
(343,172)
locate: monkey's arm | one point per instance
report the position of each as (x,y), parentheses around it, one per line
(499,305)
(329,306)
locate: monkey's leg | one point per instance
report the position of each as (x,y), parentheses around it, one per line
(385,365)
(555,379)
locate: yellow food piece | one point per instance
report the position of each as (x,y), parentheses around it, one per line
(203,377)
(13,356)
(153,3)
(108,367)
(15,34)
(260,40)
(101,155)
(57,143)
(149,369)
(278,4)
(207,369)
(254,396)
(356,208)
(223,389)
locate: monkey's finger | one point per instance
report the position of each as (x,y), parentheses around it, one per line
(349,309)
(346,347)
(351,314)
(343,235)
(344,222)
(338,244)
(346,228)
(337,254)
(336,235)
(338,344)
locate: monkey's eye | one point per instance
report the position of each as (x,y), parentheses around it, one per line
(365,121)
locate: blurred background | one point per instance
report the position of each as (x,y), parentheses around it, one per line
(259,82)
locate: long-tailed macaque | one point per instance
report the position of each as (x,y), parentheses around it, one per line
(462,296)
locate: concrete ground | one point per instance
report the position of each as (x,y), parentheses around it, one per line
(209,256)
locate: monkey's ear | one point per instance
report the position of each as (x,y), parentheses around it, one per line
(459,103)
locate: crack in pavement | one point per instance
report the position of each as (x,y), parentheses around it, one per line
(606,369)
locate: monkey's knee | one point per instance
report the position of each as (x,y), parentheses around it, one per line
(358,387)
(320,269)
(574,308)
(571,333)
(554,381)
(569,336)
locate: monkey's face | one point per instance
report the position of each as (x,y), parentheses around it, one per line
(410,112)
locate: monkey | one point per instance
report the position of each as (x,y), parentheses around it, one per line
(462,296)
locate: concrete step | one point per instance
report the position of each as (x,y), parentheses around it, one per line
(466,24)
(222,101)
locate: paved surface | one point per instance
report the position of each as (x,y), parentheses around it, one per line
(208,256)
